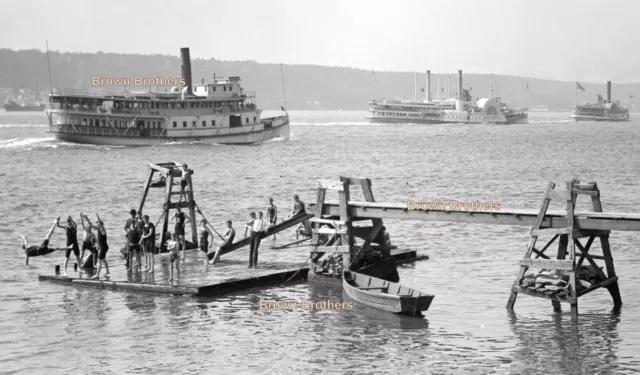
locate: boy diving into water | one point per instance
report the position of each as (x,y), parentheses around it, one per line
(43,249)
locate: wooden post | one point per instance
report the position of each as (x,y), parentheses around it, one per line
(146,189)
(573,293)
(531,245)
(167,200)
(344,213)
(613,288)
(315,237)
(192,210)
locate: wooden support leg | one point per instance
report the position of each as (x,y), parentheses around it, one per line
(613,288)
(557,306)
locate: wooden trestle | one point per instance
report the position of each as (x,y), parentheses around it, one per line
(563,270)
(170,171)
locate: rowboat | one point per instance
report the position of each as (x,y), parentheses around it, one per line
(385,295)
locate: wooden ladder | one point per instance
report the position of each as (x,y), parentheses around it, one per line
(565,265)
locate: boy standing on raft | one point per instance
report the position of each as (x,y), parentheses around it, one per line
(88,241)
(259,226)
(71,231)
(103,247)
(228,240)
(43,249)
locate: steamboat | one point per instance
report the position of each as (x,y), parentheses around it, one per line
(462,109)
(218,112)
(603,110)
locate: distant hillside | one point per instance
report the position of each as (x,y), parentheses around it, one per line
(307,86)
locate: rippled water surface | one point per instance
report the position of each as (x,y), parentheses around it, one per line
(50,328)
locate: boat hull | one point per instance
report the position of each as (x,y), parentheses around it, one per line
(98,136)
(598,118)
(434,121)
(384,295)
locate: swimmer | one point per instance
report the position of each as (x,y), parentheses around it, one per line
(43,249)
(103,247)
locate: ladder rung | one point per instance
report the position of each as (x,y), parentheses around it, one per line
(329,231)
(586,192)
(326,221)
(547,231)
(548,264)
(582,233)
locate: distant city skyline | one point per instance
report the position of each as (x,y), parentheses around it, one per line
(586,41)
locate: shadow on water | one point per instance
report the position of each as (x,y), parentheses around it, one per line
(560,344)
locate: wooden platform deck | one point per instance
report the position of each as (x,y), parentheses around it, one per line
(229,275)
(515,217)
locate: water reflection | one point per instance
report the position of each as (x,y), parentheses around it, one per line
(561,345)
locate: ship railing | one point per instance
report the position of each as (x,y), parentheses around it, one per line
(73,92)
(152,111)
(107,131)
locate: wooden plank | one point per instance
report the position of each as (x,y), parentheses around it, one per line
(586,192)
(276,278)
(553,219)
(599,285)
(320,196)
(578,233)
(330,185)
(549,231)
(167,202)
(138,287)
(565,298)
(273,230)
(183,204)
(330,231)
(548,264)
(326,221)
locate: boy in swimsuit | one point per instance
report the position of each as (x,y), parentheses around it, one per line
(71,230)
(228,240)
(88,242)
(181,220)
(172,247)
(148,242)
(183,182)
(248,227)
(272,215)
(43,249)
(133,239)
(204,243)
(103,247)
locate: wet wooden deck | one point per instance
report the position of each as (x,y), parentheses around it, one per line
(230,274)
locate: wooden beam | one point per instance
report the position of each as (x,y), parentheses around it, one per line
(548,231)
(599,285)
(146,189)
(553,219)
(548,264)
(367,242)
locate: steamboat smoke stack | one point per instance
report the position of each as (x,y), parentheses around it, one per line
(460,84)
(186,68)
(609,91)
(428,85)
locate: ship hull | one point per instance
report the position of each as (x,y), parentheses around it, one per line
(104,136)
(487,120)
(598,118)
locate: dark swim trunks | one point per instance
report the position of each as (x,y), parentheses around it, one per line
(103,252)
(35,251)
(173,257)
(87,245)
(72,240)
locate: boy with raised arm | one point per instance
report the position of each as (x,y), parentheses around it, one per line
(71,231)
(103,247)
(88,241)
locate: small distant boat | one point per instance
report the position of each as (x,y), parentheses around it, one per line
(14,106)
(385,295)
(603,110)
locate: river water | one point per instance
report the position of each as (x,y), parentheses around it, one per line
(50,328)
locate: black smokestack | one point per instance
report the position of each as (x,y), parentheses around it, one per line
(186,68)
(609,91)
(460,84)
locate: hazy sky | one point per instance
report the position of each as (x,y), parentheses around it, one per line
(591,40)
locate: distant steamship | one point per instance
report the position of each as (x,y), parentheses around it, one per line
(215,112)
(462,109)
(603,110)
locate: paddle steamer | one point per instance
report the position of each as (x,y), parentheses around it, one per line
(216,112)
(459,110)
(603,110)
